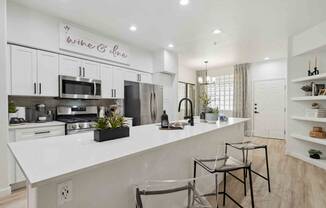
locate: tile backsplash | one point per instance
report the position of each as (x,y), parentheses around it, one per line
(52,103)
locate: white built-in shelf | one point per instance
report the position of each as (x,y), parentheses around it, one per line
(303,98)
(309,139)
(311,78)
(319,163)
(302,118)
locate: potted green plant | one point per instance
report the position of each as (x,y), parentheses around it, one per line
(205,100)
(109,128)
(12,110)
(211,115)
(315,154)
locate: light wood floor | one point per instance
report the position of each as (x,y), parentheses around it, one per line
(295,184)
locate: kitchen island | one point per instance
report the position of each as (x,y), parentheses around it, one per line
(105,174)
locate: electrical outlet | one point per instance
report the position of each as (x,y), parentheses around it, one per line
(64,192)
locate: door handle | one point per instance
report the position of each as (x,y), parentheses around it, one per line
(35,88)
(155,107)
(151,106)
(42,132)
(40,88)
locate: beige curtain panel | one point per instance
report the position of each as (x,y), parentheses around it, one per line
(240,91)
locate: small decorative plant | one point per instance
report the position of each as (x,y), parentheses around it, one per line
(213,110)
(12,107)
(212,115)
(109,128)
(315,153)
(205,101)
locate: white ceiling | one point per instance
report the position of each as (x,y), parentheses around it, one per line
(252,29)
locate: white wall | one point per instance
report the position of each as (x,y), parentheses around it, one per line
(4,188)
(274,69)
(35,29)
(186,75)
(220,71)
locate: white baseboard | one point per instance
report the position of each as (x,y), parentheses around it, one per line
(5,191)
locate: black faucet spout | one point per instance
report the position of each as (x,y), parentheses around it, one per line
(191,117)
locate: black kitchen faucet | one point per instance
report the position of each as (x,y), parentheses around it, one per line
(191,117)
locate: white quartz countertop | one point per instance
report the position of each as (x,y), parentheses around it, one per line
(50,158)
(36,125)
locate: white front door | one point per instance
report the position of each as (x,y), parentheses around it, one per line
(269,108)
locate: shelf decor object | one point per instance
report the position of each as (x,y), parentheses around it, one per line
(315,154)
(110,128)
(317,132)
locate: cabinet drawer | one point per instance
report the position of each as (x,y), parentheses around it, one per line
(43,132)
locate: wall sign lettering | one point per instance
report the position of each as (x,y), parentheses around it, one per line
(76,40)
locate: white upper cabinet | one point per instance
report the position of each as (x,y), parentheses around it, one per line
(91,70)
(135,76)
(33,73)
(75,67)
(112,82)
(118,83)
(70,66)
(23,71)
(106,77)
(47,74)
(165,62)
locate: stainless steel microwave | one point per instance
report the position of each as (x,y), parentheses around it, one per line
(79,88)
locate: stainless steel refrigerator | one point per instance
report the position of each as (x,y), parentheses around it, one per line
(143,102)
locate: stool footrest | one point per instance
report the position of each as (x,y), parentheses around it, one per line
(236,177)
(264,177)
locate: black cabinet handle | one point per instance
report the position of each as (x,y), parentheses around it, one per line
(40,88)
(80,71)
(83,71)
(34,88)
(42,132)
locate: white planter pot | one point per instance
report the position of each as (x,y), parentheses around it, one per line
(12,115)
(211,117)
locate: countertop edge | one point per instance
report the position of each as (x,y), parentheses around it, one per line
(36,182)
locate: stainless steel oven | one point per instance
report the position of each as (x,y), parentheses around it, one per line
(79,88)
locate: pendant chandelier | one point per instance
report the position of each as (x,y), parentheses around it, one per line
(205,79)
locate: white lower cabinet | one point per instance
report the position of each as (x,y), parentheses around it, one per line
(18,135)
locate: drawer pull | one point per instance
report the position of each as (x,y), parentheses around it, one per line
(42,132)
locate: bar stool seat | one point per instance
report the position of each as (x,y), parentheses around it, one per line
(180,193)
(225,165)
(247,146)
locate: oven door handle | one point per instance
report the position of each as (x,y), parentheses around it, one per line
(94,88)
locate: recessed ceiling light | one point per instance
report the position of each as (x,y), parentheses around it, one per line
(184,2)
(217,31)
(267,58)
(171,45)
(133,28)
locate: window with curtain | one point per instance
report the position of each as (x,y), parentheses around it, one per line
(221,92)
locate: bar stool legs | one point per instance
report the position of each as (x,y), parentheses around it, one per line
(247,170)
(267,166)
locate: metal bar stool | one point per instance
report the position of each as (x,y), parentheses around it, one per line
(174,193)
(225,165)
(245,146)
